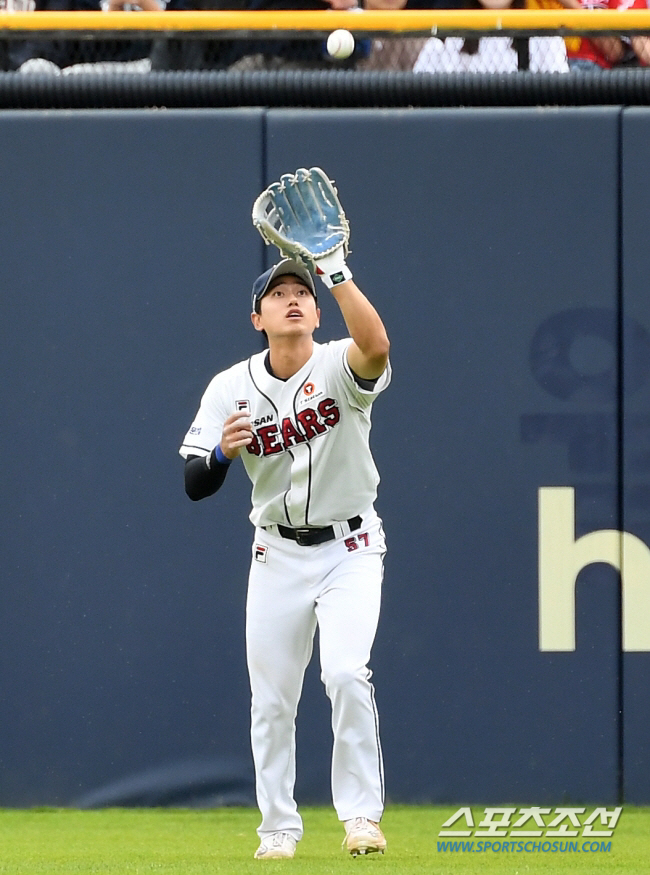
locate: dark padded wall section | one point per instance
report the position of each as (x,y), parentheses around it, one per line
(500,306)
(124,288)
(636,510)
(126,259)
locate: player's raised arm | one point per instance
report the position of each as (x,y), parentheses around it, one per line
(368,354)
(302,215)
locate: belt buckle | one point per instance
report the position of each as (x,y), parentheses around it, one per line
(300,534)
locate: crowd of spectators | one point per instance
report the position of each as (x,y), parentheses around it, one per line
(423,55)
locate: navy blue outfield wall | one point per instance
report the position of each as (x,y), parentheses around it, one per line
(507,256)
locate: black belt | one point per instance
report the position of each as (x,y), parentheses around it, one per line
(310,537)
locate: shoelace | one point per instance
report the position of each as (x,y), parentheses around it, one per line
(278,839)
(359,822)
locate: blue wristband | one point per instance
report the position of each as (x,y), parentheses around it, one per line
(224,460)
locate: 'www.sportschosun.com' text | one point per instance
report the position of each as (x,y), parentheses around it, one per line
(555,847)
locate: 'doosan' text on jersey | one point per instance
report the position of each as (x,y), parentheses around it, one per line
(309,461)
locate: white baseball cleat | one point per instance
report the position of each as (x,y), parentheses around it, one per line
(277,846)
(363,836)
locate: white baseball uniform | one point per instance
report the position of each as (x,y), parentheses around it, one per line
(311,468)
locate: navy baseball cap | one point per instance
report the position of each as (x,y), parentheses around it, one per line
(286,266)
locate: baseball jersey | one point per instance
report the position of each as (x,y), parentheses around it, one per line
(309,462)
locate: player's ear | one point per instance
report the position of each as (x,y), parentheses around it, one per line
(317,317)
(256,319)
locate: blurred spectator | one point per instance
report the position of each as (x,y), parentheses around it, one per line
(55,55)
(6,45)
(400,53)
(294,53)
(197,54)
(243,55)
(129,6)
(496,54)
(603,53)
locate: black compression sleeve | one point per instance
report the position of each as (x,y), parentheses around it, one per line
(368,385)
(201,481)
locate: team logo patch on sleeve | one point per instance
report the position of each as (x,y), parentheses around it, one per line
(260,553)
(243,406)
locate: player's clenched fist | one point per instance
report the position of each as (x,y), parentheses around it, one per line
(237,433)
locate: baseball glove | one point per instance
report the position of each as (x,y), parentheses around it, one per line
(302,215)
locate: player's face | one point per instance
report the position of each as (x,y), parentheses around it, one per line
(288,309)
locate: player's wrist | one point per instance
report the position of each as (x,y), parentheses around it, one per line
(332,269)
(220,456)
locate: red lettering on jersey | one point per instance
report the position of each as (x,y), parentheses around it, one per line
(329,411)
(290,434)
(310,422)
(254,447)
(270,439)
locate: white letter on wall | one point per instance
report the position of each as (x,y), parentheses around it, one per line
(562,558)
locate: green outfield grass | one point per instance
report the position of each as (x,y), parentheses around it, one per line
(182,842)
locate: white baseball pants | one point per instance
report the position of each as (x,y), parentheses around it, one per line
(336,585)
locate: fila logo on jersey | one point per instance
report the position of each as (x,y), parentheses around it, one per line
(309,423)
(243,406)
(261,552)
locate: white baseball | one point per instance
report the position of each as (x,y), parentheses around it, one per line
(340,44)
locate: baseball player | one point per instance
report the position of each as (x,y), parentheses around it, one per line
(299,416)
